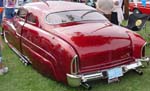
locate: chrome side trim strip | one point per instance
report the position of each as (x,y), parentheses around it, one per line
(25,59)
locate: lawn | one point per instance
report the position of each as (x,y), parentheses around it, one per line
(25,78)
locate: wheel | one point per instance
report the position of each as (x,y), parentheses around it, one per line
(136,11)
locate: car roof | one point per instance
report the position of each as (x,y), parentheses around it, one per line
(41,9)
(56,6)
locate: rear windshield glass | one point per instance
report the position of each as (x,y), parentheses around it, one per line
(73,16)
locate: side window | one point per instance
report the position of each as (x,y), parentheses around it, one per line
(22,13)
(32,19)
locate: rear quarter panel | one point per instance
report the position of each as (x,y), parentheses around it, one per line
(137,43)
(49,54)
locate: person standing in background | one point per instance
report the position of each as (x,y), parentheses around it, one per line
(117,13)
(9,8)
(3,69)
(105,7)
(1,11)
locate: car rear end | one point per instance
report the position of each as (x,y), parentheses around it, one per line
(109,55)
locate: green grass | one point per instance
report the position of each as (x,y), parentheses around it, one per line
(22,78)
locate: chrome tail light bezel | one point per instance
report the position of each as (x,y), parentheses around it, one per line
(75,65)
(143,51)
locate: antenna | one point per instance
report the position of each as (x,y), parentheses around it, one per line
(44,1)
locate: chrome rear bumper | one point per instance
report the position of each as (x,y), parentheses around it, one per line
(77,80)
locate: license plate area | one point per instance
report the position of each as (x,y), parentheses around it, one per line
(114,73)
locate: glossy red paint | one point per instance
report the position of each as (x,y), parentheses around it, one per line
(99,45)
(101,41)
(140,7)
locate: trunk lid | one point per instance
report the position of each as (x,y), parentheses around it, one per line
(99,45)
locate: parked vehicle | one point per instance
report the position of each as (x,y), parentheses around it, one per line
(72,42)
(137,7)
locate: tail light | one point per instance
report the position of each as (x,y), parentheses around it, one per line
(75,65)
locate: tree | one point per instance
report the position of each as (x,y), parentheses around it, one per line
(126,7)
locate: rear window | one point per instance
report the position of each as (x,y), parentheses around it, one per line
(74,16)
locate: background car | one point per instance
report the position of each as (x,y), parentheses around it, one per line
(137,7)
(72,42)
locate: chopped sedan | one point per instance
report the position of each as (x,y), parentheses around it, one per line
(72,42)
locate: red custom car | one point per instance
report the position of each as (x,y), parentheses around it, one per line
(72,42)
(138,7)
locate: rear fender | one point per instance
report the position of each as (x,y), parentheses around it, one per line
(138,44)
